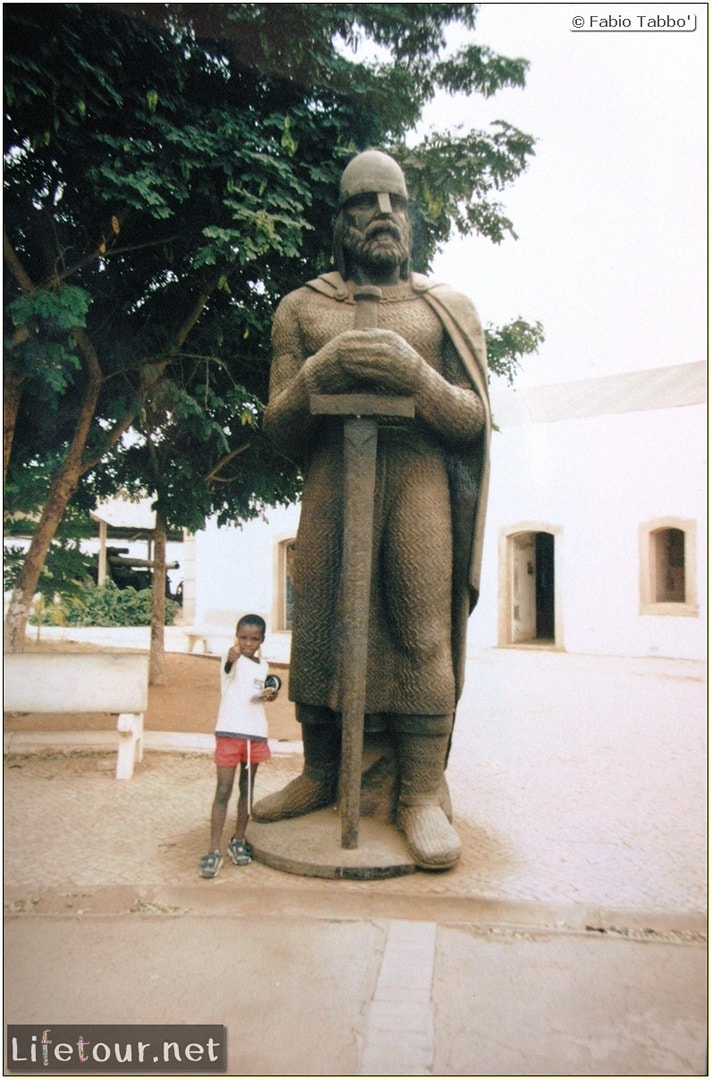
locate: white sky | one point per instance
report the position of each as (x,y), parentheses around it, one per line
(611,214)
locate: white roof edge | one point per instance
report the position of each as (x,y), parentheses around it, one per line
(636,391)
(124,514)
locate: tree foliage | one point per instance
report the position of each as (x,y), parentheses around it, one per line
(170,173)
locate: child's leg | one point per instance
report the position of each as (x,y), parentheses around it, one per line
(243,809)
(223,791)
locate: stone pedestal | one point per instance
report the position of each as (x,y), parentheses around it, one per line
(311,844)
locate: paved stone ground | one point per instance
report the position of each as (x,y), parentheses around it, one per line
(578,784)
(306,995)
(569,940)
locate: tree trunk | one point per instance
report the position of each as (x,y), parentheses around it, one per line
(157,659)
(61,490)
(12,393)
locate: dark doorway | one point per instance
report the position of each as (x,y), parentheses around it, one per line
(544,549)
(531,589)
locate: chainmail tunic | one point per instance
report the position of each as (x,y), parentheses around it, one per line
(410,656)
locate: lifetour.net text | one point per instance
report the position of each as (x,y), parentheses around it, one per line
(114,1049)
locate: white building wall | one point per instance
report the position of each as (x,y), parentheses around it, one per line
(235,573)
(598,479)
(593,480)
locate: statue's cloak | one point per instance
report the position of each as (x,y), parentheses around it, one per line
(468,469)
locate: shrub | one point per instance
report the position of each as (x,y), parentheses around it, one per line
(107,605)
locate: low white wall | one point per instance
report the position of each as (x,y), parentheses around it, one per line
(57,682)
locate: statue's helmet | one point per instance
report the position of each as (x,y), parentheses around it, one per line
(372,172)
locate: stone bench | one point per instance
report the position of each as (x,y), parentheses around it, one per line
(75,682)
(215,631)
(194,635)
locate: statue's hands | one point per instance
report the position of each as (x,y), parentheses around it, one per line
(372,357)
(382,358)
(324,373)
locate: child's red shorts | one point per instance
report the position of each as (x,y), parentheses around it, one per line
(230,752)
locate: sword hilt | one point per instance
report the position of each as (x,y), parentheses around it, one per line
(366,297)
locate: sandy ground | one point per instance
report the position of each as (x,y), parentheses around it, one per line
(187,703)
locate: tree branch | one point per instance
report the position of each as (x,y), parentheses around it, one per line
(16,268)
(97,253)
(197,311)
(13,379)
(158,368)
(148,244)
(213,474)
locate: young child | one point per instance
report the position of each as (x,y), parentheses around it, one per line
(240,738)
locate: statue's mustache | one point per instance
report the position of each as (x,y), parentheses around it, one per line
(382,227)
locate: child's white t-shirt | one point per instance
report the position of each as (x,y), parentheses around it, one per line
(242,711)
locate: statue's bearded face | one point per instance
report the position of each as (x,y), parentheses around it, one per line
(376,239)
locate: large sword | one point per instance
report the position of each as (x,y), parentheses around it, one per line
(360,412)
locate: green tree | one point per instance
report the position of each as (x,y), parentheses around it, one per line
(170,173)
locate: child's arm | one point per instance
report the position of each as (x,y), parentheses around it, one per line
(232,656)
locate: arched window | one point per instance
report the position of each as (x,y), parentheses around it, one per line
(668,560)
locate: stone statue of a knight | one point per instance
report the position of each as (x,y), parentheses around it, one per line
(430,496)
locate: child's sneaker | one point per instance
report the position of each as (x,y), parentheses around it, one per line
(240,852)
(210,864)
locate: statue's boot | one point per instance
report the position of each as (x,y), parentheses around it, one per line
(430,837)
(445,800)
(316,786)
